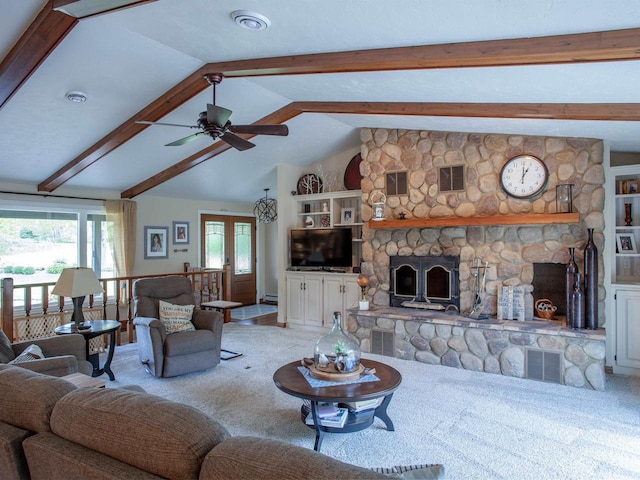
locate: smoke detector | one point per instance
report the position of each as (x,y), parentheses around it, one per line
(250,20)
(77,97)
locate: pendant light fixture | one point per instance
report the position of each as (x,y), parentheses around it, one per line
(266,208)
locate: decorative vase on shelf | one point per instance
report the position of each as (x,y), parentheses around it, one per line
(627,214)
(570,281)
(578,304)
(591,282)
(338,351)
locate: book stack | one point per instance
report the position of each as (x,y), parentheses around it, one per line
(363,405)
(330,415)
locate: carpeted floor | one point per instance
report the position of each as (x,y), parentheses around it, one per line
(252,311)
(480,426)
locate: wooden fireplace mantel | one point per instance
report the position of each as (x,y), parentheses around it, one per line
(525,219)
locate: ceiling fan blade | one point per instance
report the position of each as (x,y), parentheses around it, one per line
(217,115)
(236,141)
(281,130)
(144,122)
(184,140)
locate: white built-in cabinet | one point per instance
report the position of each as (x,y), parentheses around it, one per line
(624,333)
(627,327)
(304,298)
(313,297)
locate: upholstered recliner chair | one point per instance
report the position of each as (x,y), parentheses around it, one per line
(166,354)
(63,355)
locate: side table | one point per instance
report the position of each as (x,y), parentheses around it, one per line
(98,327)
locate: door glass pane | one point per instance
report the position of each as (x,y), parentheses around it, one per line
(242,239)
(214,244)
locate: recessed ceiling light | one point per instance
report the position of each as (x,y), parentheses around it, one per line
(77,97)
(250,20)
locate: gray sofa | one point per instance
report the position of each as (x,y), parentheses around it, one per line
(65,354)
(49,429)
(166,355)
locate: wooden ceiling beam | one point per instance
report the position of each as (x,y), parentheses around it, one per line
(628,112)
(34,46)
(585,47)
(279,116)
(168,102)
(581,47)
(554,111)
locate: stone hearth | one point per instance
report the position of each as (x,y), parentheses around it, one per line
(540,350)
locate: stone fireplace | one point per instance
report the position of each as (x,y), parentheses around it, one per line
(425,281)
(532,349)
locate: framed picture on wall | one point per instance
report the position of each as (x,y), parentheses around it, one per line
(626,243)
(155,242)
(181,232)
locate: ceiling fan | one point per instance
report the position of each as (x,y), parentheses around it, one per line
(215,123)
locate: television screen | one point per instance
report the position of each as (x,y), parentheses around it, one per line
(321,247)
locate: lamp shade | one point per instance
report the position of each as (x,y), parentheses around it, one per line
(77,282)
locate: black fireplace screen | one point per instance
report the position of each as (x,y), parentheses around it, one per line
(433,279)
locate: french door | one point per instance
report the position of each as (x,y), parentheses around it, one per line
(231,240)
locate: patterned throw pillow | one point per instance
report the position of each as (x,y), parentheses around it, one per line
(32,352)
(176,318)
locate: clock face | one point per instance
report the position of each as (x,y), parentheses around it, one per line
(524,176)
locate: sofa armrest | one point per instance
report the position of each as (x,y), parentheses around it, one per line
(54,366)
(207,320)
(72,344)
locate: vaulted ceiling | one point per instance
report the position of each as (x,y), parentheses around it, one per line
(325,69)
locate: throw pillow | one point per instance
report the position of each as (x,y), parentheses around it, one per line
(32,352)
(6,352)
(176,318)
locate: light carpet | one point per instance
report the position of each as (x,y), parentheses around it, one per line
(480,426)
(252,311)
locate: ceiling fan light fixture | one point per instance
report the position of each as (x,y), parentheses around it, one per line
(266,209)
(77,97)
(250,20)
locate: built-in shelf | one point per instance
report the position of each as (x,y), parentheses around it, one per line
(527,219)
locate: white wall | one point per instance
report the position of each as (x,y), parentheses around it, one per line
(162,212)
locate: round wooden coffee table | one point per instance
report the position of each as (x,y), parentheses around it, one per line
(289,379)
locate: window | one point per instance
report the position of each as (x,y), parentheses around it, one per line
(35,246)
(451,178)
(397,183)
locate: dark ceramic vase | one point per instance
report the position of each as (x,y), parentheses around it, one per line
(578,304)
(591,282)
(570,281)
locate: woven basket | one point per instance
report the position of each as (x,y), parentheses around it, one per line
(545,308)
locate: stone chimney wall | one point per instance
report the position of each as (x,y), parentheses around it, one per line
(509,250)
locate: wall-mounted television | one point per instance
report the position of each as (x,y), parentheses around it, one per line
(320,247)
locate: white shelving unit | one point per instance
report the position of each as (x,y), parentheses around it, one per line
(326,211)
(624,331)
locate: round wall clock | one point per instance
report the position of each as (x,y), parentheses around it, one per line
(524,176)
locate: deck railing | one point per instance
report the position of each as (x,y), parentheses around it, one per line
(30,311)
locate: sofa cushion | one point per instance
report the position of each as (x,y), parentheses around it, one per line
(188,343)
(169,439)
(13,465)
(29,354)
(28,398)
(176,318)
(53,458)
(268,459)
(6,352)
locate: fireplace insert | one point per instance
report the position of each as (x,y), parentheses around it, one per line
(429,280)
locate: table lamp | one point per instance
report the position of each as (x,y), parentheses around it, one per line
(76,283)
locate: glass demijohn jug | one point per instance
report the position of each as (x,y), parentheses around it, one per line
(338,351)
